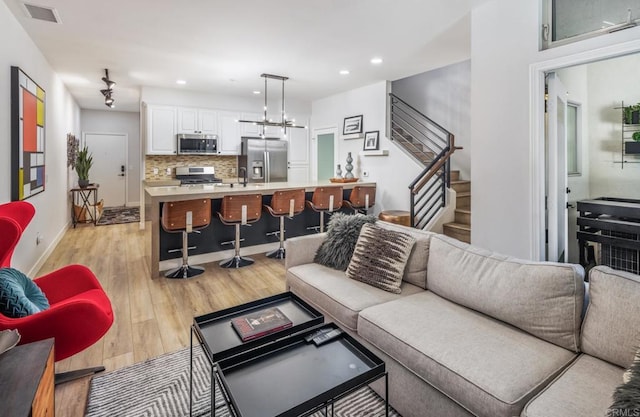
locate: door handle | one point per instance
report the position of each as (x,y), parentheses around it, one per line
(570,205)
(122,171)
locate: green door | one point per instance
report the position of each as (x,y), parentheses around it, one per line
(325,156)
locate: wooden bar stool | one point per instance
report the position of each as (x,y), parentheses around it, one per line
(185,217)
(362,197)
(239,210)
(284,203)
(325,200)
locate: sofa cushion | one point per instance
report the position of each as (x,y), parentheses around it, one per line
(380,257)
(542,298)
(416,269)
(490,368)
(342,234)
(584,389)
(609,331)
(342,298)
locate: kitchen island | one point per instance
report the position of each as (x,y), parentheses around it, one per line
(212,243)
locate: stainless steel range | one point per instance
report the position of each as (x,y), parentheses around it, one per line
(196,175)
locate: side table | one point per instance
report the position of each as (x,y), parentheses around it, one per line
(82,197)
(27,380)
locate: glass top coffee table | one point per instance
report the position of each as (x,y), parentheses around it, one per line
(282,374)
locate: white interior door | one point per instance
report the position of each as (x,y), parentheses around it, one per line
(557,214)
(109,166)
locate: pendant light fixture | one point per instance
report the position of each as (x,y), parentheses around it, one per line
(107,92)
(284,123)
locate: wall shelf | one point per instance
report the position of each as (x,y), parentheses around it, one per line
(381,152)
(352,136)
(628,146)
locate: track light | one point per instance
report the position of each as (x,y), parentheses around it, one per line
(108,100)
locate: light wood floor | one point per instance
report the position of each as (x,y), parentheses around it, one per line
(152,316)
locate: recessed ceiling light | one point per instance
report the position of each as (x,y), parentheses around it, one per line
(256,92)
(344,72)
(181,82)
(376,61)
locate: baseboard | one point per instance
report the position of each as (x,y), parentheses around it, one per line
(132,204)
(45,255)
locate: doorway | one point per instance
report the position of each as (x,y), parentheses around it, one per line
(325,141)
(109,152)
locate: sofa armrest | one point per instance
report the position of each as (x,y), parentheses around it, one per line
(302,249)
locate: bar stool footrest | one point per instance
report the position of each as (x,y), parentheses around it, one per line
(184,271)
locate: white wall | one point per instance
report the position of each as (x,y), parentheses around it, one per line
(611,82)
(392,173)
(444,95)
(504,45)
(107,121)
(62,117)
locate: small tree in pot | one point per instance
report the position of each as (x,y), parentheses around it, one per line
(84,161)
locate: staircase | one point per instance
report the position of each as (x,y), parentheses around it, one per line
(460,228)
(432,146)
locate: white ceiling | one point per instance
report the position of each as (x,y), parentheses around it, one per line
(222,46)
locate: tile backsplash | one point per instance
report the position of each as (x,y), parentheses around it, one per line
(225,166)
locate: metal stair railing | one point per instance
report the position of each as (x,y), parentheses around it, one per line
(430,144)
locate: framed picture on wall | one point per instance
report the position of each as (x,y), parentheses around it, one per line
(371,140)
(27,136)
(352,125)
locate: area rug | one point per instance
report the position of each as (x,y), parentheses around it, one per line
(159,387)
(119,215)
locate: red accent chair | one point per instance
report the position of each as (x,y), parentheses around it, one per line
(21,213)
(80,312)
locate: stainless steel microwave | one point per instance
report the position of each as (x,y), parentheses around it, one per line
(197,144)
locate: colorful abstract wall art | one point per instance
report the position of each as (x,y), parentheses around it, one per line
(27,136)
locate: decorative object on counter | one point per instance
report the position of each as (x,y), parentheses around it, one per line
(349,167)
(108,92)
(28,136)
(371,140)
(343,180)
(352,125)
(284,123)
(72,150)
(338,172)
(8,339)
(84,162)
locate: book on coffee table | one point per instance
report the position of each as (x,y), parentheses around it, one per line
(260,323)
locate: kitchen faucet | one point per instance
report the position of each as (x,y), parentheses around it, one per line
(244,176)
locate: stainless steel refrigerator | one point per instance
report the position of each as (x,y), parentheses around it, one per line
(265,160)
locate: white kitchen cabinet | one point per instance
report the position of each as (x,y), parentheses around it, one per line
(298,173)
(229,133)
(161,130)
(193,120)
(249,129)
(299,148)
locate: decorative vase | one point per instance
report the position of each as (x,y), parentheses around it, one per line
(338,172)
(349,167)
(83,183)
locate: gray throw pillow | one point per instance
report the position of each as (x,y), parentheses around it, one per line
(380,257)
(626,397)
(342,234)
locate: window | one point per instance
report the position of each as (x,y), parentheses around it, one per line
(573,20)
(574,138)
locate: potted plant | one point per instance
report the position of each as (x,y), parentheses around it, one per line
(84,161)
(632,114)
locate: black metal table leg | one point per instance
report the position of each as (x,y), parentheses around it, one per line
(191,372)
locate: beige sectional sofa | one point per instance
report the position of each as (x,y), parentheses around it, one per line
(477,333)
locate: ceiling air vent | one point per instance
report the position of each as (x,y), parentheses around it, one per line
(42,13)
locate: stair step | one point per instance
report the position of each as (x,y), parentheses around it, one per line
(461,186)
(455,175)
(463,216)
(462,232)
(463,201)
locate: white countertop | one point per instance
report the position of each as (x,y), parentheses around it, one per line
(220,190)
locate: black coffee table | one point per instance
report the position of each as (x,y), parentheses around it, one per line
(281,374)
